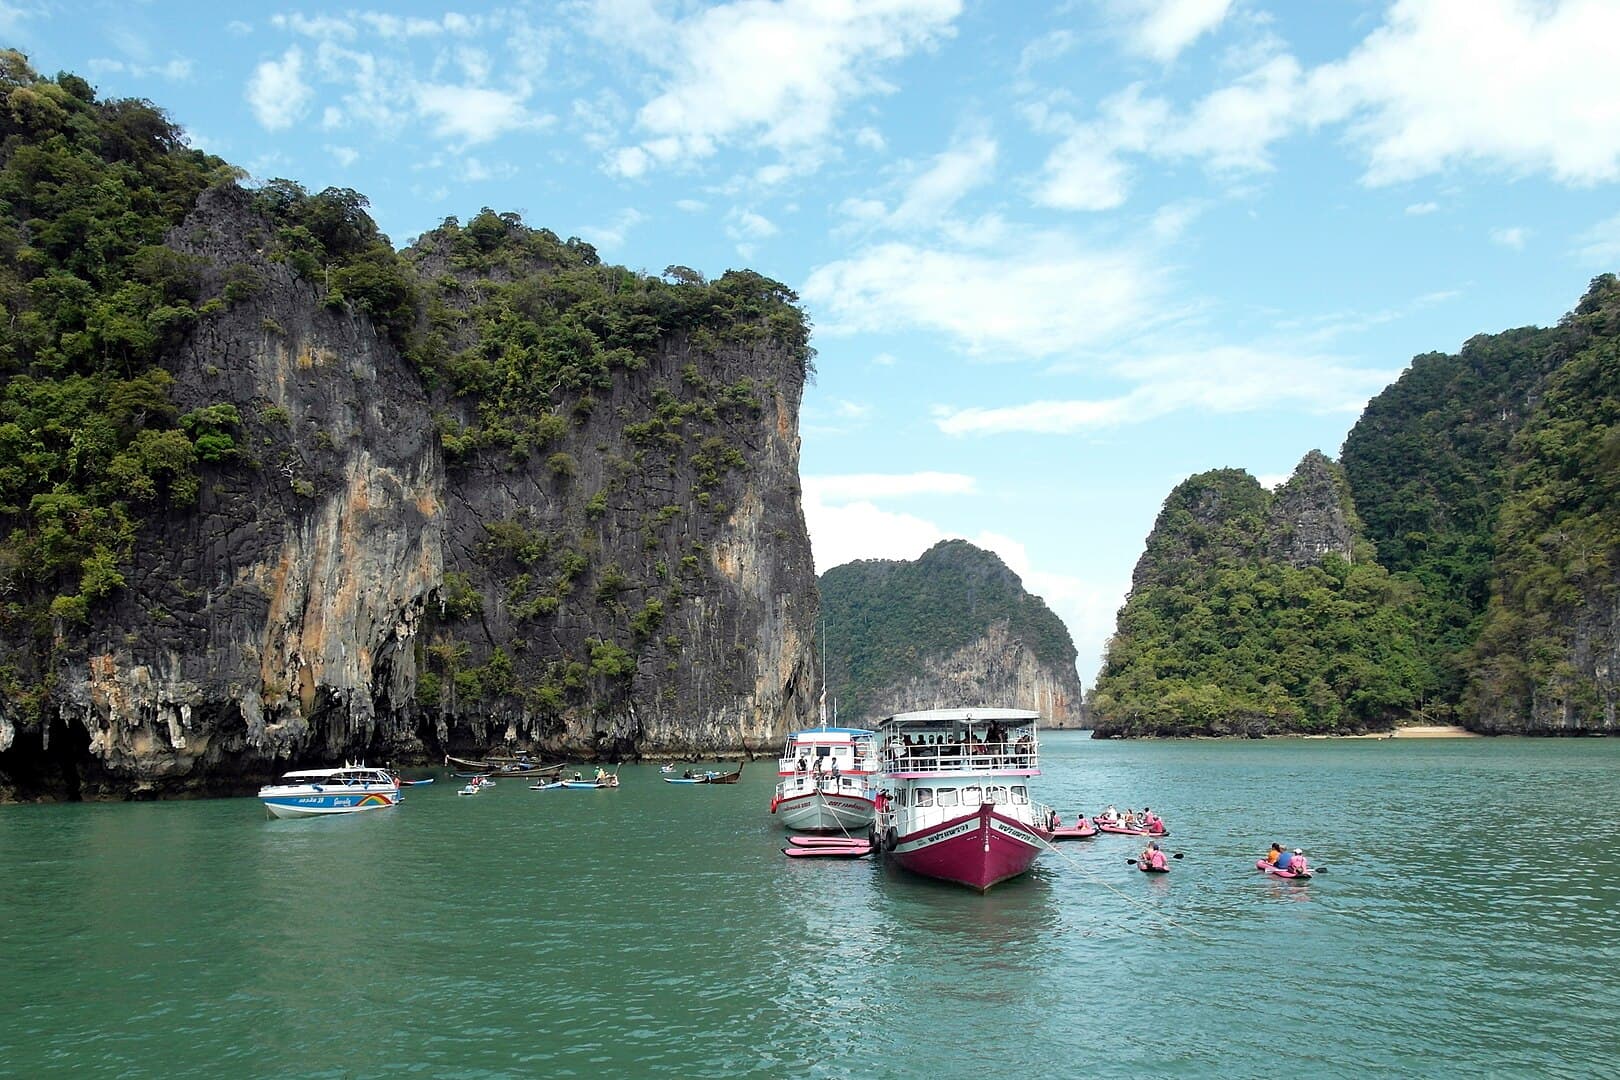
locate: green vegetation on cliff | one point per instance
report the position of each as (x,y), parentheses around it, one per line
(1221,635)
(884,618)
(1428,462)
(1551,623)
(89,438)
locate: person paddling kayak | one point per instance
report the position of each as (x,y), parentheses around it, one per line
(1153,859)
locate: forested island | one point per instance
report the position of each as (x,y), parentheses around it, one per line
(1460,564)
(952,626)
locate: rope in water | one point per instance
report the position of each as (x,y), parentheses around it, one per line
(1094,879)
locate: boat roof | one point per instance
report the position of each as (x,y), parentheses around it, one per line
(981,714)
(317,774)
(810,733)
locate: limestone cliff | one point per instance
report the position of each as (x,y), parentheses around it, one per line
(489,492)
(954,627)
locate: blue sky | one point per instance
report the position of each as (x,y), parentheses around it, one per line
(1059,257)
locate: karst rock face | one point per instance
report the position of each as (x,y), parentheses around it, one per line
(952,628)
(300,611)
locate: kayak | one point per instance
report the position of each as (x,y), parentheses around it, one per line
(415,783)
(826,841)
(1146,869)
(827,851)
(1104,826)
(1288,875)
(1074,832)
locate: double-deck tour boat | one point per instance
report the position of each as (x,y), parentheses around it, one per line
(317,792)
(827,780)
(954,801)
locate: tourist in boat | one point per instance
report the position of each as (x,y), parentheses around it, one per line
(1271,856)
(1109,816)
(801,767)
(1285,859)
(833,772)
(1297,862)
(601,774)
(1152,858)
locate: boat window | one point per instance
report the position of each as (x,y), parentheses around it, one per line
(972,796)
(925,796)
(998,794)
(948,796)
(1020,794)
(900,797)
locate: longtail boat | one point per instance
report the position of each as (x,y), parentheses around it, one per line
(502,765)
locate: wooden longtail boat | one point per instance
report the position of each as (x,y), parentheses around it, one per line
(506,766)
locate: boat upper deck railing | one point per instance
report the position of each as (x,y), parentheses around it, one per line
(1021,755)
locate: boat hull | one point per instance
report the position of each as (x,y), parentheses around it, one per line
(328,803)
(821,811)
(1287,875)
(979,849)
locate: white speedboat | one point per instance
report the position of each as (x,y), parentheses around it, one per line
(956,803)
(317,792)
(827,777)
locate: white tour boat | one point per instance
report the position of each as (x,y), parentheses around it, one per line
(316,792)
(827,780)
(955,801)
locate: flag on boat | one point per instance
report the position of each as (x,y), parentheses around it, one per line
(823,706)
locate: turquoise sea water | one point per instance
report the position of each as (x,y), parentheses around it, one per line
(1466,925)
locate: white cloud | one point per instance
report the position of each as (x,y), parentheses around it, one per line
(1422,208)
(1172,219)
(745,225)
(320,27)
(854,487)
(174,70)
(394,26)
(854,410)
(871,138)
(277,91)
(1511,236)
(967,164)
(1600,244)
(1161,29)
(1224,379)
(474,114)
(884,359)
(610,237)
(1037,296)
(691,206)
(777,75)
(1522,86)
(343,155)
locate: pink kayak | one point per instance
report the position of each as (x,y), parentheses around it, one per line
(1074,832)
(1290,875)
(827,841)
(1128,830)
(1146,869)
(824,851)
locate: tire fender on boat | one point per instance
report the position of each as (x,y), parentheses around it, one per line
(890,838)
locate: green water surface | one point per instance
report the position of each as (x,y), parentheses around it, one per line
(1466,925)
